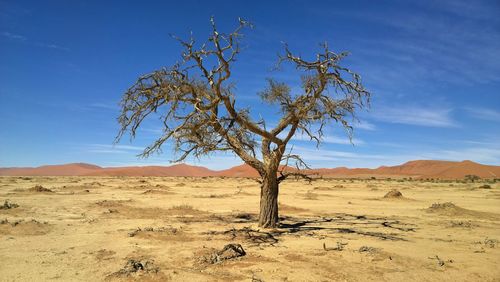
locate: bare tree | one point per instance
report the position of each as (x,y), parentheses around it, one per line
(197,107)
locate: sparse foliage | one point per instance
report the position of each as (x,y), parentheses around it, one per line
(197,106)
(472,177)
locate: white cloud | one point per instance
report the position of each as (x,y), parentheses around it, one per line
(51,46)
(330,140)
(364,125)
(485,114)
(477,154)
(416,115)
(23,38)
(112,149)
(13,36)
(107,106)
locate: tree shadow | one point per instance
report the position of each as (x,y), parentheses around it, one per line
(328,225)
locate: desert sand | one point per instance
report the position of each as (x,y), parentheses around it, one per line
(170,229)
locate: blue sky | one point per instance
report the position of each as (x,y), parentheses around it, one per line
(433,68)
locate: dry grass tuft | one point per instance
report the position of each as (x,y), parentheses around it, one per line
(40,189)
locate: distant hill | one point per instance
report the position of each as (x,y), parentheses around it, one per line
(420,169)
(415,169)
(53,170)
(174,170)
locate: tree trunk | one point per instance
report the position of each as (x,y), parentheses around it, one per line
(268,217)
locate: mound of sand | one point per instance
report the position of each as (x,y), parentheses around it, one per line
(393,194)
(450,209)
(40,189)
(24,227)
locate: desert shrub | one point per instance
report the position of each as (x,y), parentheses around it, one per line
(472,177)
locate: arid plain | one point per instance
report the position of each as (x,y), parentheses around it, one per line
(174,228)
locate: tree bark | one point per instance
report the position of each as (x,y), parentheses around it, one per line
(268,217)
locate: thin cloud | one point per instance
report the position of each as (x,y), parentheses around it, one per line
(23,38)
(331,140)
(483,113)
(416,115)
(365,126)
(108,106)
(112,149)
(477,154)
(51,46)
(13,36)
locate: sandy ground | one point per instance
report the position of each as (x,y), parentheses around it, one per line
(161,229)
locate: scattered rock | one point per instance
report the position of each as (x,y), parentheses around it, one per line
(8,205)
(393,194)
(40,189)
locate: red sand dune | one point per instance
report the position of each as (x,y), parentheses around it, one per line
(174,170)
(415,169)
(52,170)
(243,170)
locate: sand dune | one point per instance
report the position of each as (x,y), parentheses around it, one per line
(415,169)
(174,170)
(72,169)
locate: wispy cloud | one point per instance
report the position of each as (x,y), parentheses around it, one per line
(153,131)
(484,113)
(478,154)
(22,38)
(416,115)
(455,42)
(112,149)
(364,125)
(51,46)
(107,106)
(13,36)
(331,140)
